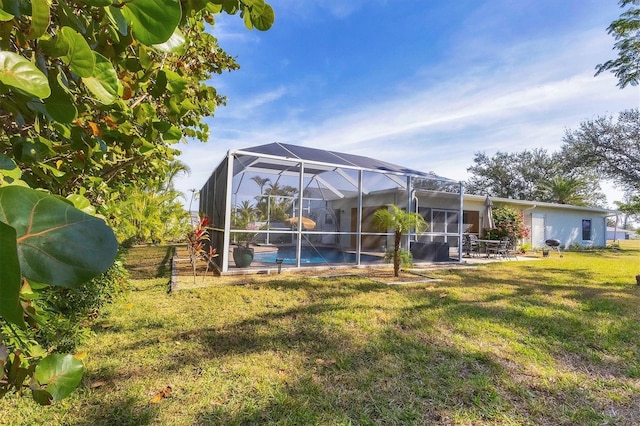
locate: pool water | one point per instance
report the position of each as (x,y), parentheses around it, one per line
(312,255)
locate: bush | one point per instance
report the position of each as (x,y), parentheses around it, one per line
(65,314)
(406,258)
(508,223)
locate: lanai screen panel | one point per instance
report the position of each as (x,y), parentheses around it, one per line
(212,205)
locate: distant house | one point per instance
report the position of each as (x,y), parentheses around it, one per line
(617,234)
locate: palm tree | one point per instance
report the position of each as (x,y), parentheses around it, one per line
(174,169)
(568,190)
(401,222)
(261,202)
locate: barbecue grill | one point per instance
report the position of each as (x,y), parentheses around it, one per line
(553,245)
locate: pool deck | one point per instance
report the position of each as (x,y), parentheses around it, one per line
(270,268)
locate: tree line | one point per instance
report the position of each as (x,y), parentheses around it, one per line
(602,148)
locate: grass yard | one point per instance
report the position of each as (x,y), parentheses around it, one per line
(553,341)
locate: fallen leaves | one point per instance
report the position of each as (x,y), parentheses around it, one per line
(164,393)
(325,362)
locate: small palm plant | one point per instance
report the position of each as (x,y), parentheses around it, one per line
(401,222)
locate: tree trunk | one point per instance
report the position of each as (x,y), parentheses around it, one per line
(396,254)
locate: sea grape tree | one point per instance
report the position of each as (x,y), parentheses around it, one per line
(94,94)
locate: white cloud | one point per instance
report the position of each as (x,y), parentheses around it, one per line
(497,97)
(247,107)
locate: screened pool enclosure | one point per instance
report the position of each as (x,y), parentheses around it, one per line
(286,206)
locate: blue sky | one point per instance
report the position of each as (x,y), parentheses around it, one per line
(420,83)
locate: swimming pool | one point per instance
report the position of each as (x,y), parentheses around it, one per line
(312,255)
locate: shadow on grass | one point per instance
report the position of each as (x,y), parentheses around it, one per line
(125,411)
(394,378)
(422,362)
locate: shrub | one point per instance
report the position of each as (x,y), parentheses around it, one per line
(509,223)
(65,314)
(406,258)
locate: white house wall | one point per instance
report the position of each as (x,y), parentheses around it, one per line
(566,226)
(561,222)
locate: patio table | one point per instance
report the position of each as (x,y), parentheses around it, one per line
(488,244)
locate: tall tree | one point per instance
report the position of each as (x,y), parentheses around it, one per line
(630,208)
(567,190)
(612,148)
(626,31)
(94,94)
(510,175)
(533,175)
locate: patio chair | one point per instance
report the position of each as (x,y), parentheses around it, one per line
(471,245)
(499,249)
(511,251)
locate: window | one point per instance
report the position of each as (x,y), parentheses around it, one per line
(586,229)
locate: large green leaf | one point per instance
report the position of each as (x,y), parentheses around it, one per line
(18,72)
(175,44)
(262,18)
(55,47)
(79,57)
(10,277)
(8,169)
(82,203)
(5,16)
(104,83)
(60,374)
(115,16)
(60,105)
(57,243)
(152,21)
(176,83)
(39,18)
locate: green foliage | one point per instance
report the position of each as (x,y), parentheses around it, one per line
(93,95)
(612,148)
(509,223)
(405,256)
(630,208)
(65,314)
(56,376)
(626,31)
(563,190)
(533,175)
(524,248)
(276,201)
(143,215)
(400,222)
(44,241)
(96,93)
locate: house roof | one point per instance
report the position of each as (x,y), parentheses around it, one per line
(533,204)
(270,157)
(527,204)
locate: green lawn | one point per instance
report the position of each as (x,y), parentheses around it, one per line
(553,341)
